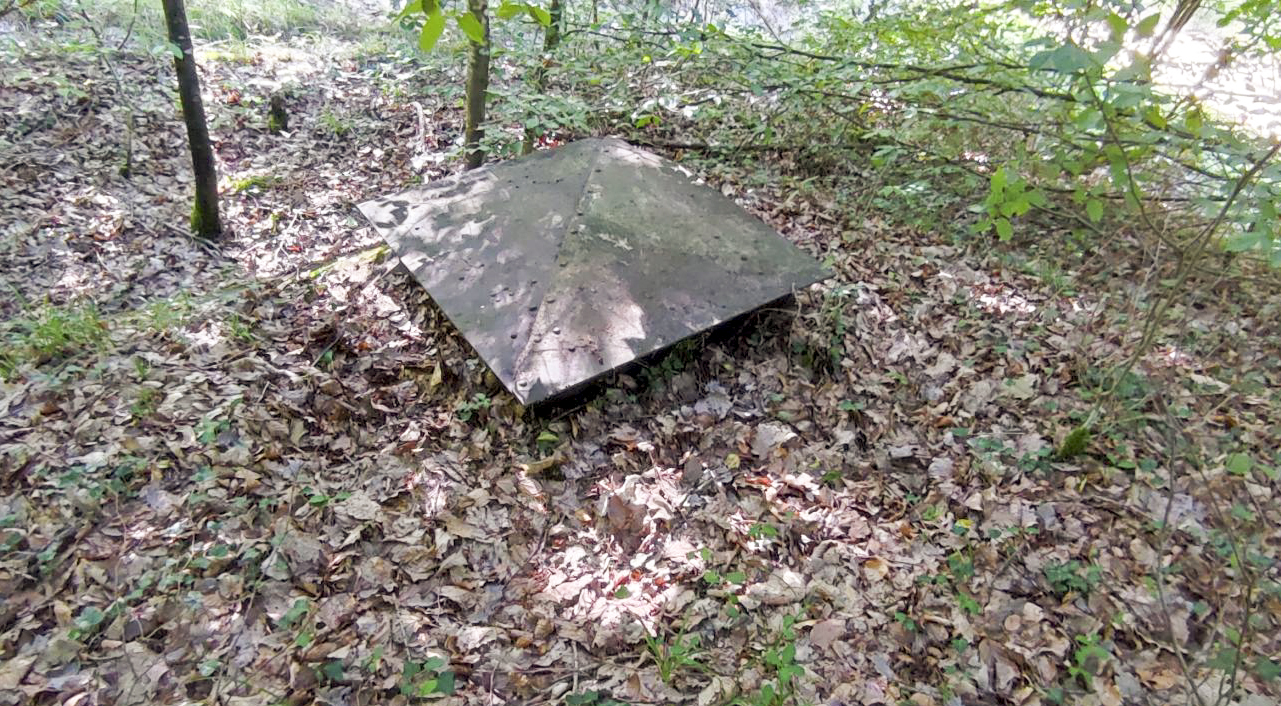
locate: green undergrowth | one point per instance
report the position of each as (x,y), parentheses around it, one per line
(49,335)
(210,20)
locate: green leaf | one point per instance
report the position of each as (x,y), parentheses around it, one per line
(1070,58)
(1139,70)
(622,592)
(1103,52)
(434,663)
(471,27)
(1147,25)
(1240,242)
(736,577)
(1040,59)
(333,671)
(1117,25)
(1238,464)
(1094,209)
(1154,116)
(1224,661)
(175,50)
(298,610)
(1266,669)
(1004,230)
(445,683)
(540,15)
(548,437)
(409,9)
(508,10)
(432,30)
(999,179)
(90,618)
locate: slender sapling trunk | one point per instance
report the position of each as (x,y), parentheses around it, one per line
(477,85)
(204,212)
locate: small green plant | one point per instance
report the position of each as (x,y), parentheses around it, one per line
(1072,577)
(672,656)
(591,698)
(547,440)
(681,356)
(210,428)
(145,404)
(466,409)
(1009,196)
(318,499)
(335,124)
(779,660)
(906,621)
(1088,659)
(1074,444)
(50,334)
(420,679)
(100,483)
(239,329)
(170,313)
(255,182)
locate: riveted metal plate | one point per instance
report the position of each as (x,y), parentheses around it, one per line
(564,265)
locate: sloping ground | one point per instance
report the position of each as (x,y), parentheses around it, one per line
(261,481)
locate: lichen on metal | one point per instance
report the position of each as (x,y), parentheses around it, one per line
(564,265)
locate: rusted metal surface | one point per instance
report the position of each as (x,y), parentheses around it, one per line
(566,264)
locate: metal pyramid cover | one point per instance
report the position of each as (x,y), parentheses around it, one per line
(564,265)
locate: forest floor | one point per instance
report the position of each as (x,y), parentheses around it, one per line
(270,471)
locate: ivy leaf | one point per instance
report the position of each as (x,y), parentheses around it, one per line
(1094,209)
(471,27)
(432,30)
(175,50)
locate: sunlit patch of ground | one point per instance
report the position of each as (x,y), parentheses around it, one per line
(1246,92)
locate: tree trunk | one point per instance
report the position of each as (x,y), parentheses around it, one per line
(204,212)
(477,85)
(552,37)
